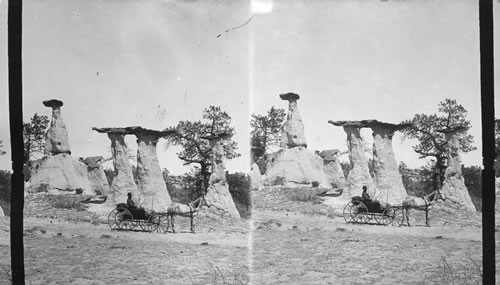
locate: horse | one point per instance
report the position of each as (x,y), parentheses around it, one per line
(422,204)
(185,210)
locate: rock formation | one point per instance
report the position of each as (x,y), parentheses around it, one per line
(123,181)
(2,214)
(293,129)
(359,174)
(390,188)
(453,185)
(57,135)
(97,177)
(218,195)
(151,183)
(333,170)
(295,167)
(255,177)
(60,174)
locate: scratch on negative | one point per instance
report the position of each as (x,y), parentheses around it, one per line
(237,27)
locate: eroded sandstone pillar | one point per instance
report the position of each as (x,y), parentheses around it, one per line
(57,135)
(333,169)
(293,129)
(151,183)
(359,175)
(390,188)
(453,185)
(97,176)
(218,195)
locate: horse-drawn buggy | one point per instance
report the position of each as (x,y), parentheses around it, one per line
(124,217)
(363,211)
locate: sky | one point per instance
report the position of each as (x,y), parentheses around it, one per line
(154,63)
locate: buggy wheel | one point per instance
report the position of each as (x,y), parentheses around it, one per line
(387,216)
(350,212)
(128,222)
(163,224)
(362,214)
(115,219)
(398,217)
(144,225)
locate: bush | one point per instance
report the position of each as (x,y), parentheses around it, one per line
(67,202)
(239,187)
(5,191)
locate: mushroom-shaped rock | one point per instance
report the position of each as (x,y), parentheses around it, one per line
(333,169)
(152,185)
(96,175)
(218,195)
(123,182)
(390,188)
(359,175)
(453,185)
(293,128)
(57,135)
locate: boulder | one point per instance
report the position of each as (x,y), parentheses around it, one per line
(97,177)
(359,175)
(218,195)
(255,177)
(123,181)
(152,186)
(333,170)
(57,135)
(293,128)
(453,185)
(60,174)
(295,167)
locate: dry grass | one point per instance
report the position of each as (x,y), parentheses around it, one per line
(468,274)
(236,278)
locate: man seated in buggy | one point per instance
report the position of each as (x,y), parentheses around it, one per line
(138,213)
(372,205)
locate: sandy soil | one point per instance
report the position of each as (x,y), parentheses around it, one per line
(287,242)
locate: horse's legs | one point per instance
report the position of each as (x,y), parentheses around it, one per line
(192,225)
(427,217)
(408,216)
(172,217)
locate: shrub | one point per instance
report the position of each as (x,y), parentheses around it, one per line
(5,191)
(239,187)
(67,202)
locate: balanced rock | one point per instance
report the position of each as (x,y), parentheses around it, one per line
(123,182)
(293,128)
(218,195)
(453,185)
(359,175)
(152,186)
(333,169)
(255,177)
(390,188)
(57,135)
(295,167)
(96,175)
(60,174)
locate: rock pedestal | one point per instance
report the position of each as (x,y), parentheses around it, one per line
(295,167)
(60,174)
(123,181)
(218,195)
(293,129)
(453,185)
(390,188)
(151,183)
(97,177)
(333,169)
(359,175)
(255,177)
(57,135)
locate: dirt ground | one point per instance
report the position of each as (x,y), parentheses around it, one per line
(287,242)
